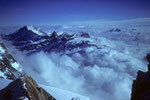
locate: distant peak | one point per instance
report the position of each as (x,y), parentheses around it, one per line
(54,34)
(31,28)
(27,27)
(115,30)
(64,34)
(84,34)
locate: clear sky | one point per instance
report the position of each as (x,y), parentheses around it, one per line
(40,12)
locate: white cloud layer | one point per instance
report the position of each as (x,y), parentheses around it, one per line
(101,74)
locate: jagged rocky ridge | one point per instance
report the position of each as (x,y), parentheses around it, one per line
(9,67)
(141,86)
(29,40)
(24,89)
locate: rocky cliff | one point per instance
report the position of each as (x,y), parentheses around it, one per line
(24,89)
(141,86)
(9,67)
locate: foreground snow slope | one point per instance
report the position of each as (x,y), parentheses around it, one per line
(60,94)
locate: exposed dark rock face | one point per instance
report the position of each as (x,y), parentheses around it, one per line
(141,86)
(25,88)
(9,68)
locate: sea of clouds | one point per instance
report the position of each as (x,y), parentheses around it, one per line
(101,74)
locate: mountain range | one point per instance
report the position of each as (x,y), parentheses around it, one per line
(27,39)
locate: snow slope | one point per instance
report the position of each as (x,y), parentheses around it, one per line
(37,31)
(61,94)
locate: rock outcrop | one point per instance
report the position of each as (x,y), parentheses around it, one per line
(24,89)
(9,67)
(141,86)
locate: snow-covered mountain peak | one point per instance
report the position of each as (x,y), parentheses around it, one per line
(85,35)
(54,34)
(33,29)
(48,43)
(115,30)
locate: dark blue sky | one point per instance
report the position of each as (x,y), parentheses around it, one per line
(20,12)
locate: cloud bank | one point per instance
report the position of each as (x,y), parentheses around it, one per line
(100,74)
